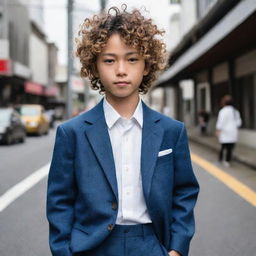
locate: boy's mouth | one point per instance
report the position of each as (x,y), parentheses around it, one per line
(122,83)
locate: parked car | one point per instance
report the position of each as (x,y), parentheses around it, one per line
(34,118)
(11,126)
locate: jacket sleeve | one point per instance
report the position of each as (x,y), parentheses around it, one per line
(61,194)
(185,194)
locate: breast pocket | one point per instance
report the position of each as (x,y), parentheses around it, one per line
(164,160)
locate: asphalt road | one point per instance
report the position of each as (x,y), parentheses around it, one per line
(226,223)
(24,228)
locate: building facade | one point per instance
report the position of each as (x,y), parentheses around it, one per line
(218,56)
(14,53)
(27,62)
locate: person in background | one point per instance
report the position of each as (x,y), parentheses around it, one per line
(227,125)
(203,119)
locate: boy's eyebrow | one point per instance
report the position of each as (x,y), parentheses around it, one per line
(113,54)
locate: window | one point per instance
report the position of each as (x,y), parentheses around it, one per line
(202,98)
(245,94)
(204,6)
(1,23)
(188,106)
(218,91)
(175,1)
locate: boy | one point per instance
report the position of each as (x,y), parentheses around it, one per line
(121,181)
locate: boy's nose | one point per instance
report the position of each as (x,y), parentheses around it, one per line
(121,70)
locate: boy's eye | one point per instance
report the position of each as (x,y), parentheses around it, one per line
(108,61)
(133,59)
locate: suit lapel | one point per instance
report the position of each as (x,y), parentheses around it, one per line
(97,134)
(152,135)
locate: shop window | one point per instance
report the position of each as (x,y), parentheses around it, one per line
(218,91)
(245,100)
(202,95)
(188,106)
(1,24)
(175,1)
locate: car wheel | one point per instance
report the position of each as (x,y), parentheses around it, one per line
(40,131)
(9,139)
(23,139)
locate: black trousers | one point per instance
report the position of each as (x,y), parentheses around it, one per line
(227,149)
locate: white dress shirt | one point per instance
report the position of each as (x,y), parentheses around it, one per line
(125,135)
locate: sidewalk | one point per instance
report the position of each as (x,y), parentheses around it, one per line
(242,154)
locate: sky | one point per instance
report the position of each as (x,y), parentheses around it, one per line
(55,17)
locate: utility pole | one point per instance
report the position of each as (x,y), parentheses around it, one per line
(102,5)
(5,20)
(69,99)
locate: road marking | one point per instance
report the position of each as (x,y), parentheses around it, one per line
(234,184)
(20,188)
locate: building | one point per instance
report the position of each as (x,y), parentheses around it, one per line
(14,50)
(214,57)
(27,60)
(42,58)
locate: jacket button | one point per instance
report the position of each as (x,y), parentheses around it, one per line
(114,205)
(110,227)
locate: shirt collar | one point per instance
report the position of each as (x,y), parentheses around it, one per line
(112,116)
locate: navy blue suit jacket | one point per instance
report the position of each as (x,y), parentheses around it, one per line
(82,182)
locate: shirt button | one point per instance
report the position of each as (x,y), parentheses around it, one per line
(114,205)
(110,227)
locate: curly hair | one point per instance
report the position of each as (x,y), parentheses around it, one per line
(134,29)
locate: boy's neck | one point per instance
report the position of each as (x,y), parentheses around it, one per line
(124,106)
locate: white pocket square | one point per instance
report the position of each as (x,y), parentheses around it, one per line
(165,152)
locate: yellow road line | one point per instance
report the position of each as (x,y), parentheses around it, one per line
(238,187)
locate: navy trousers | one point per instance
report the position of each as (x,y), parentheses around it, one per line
(129,240)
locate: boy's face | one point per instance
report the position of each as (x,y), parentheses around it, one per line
(120,69)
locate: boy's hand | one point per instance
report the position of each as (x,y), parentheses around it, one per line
(174,253)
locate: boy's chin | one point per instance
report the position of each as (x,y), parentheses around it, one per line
(122,95)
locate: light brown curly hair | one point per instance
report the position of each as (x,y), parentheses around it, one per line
(134,29)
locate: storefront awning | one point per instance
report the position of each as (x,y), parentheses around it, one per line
(5,67)
(34,88)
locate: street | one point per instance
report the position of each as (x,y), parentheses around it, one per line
(226,223)
(24,229)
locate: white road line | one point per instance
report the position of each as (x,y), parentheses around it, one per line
(20,188)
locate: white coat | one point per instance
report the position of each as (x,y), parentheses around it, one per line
(228,122)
